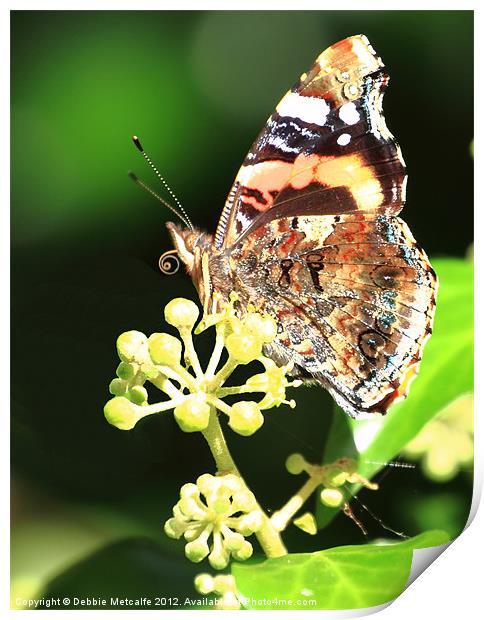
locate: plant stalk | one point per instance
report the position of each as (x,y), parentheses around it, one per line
(282,517)
(268,537)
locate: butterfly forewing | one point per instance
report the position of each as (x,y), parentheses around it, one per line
(325,150)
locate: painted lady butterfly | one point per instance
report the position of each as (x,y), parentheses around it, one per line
(310,234)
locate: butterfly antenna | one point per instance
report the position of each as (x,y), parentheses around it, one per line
(185,217)
(396,464)
(158,197)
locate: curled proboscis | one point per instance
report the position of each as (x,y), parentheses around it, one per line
(169,263)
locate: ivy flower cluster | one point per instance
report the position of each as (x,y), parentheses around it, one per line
(173,366)
(332,477)
(222,585)
(445,445)
(214,516)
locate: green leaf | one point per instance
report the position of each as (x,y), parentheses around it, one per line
(349,577)
(340,442)
(446,372)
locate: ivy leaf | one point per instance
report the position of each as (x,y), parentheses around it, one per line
(446,372)
(351,577)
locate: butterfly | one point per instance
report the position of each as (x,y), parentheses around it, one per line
(310,234)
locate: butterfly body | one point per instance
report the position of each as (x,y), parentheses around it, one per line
(310,234)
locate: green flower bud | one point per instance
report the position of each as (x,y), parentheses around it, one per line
(196,550)
(243,347)
(234,542)
(126,371)
(245,418)
(178,514)
(221,502)
(191,533)
(333,476)
(132,346)
(232,483)
(332,497)
(118,387)
(188,506)
(138,395)
(219,559)
(244,551)
(296,464)
(174,528)
(244,501)
(189,490)
(149,371)
(250,523)
(259,382)
(274,383)
(192,414)
(262,326)
(121,412)
(207,484)
(165,349)
(204,583)
(181,313)
(224,583)
(307,523)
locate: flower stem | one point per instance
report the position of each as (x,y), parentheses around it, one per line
(223,374)
(179,374)
(267,535)
(217,353)
(164,405)
(238,389)
(282,517)
(165,385)
(190,353)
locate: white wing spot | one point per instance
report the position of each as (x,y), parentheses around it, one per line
(307,109)
(344,139)
(349,114)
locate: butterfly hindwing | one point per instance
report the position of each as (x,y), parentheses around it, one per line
(353,296)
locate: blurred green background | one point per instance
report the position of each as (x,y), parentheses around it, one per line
(89,500)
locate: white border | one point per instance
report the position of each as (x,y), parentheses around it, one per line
(247,5)
(452,586)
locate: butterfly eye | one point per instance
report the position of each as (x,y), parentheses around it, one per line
(169,263)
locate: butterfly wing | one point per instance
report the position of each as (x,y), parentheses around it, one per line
(325,150)
(313,238)
(354,297)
